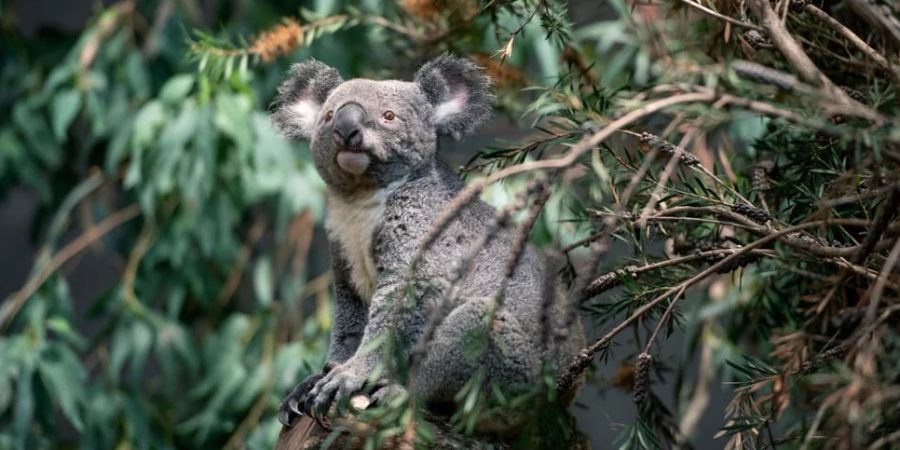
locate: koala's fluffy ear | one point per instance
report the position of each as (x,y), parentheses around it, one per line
(459,91)
(301,95)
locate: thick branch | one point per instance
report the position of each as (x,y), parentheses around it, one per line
(788,46)
(793,52)
(854,39)
(877,16)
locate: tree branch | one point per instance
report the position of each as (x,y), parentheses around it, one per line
(854,39)
(721,16)
(567,377)
(798,59)
(16,300)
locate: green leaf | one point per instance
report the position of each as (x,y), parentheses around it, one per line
(146,122)
(118,146)
(23,412)
(176,89)
(38,135)
(59,75)
(64,377)
(262,282)
(11,152)
(63,110)
(141,340)
(137,76)
(64,328)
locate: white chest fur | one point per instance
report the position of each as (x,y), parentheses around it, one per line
(351,224)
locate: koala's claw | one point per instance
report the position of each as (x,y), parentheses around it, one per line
(291,406)
(337,385)
(321,420)
(284,417)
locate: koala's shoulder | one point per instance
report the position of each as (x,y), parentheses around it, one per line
(412,208)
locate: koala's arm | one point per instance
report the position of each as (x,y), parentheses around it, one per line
(395,305)
(351,375)
(346,332)
(349,314)
(389,309)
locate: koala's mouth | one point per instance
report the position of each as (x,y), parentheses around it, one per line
(353,160)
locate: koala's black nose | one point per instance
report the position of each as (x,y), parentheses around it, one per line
(348,125)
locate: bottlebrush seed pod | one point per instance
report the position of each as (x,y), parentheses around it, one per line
(653,141)
(642,378)
(755,214)
(764,74)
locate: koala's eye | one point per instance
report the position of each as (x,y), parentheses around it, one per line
(388,115)
(329,115)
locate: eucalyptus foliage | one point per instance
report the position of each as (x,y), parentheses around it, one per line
(177,358)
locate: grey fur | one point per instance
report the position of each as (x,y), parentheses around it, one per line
(445,76)
(311,80)
(399,195)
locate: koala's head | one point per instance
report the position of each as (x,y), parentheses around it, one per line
(365,134)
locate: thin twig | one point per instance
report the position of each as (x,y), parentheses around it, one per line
(665,318)
(661,182)
(802,63)
(819,249)
(878,289)
(885,440)
(582,360)
(854,39)
(16,300)
(874,14)
(460,270)
(788,46)
(138,251)
(240,262)
(721,16)
(468,193)
(612,279)
(880,223)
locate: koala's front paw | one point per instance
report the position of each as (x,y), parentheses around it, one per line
(293,405)
(342,382)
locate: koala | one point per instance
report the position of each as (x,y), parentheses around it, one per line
(375,143)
